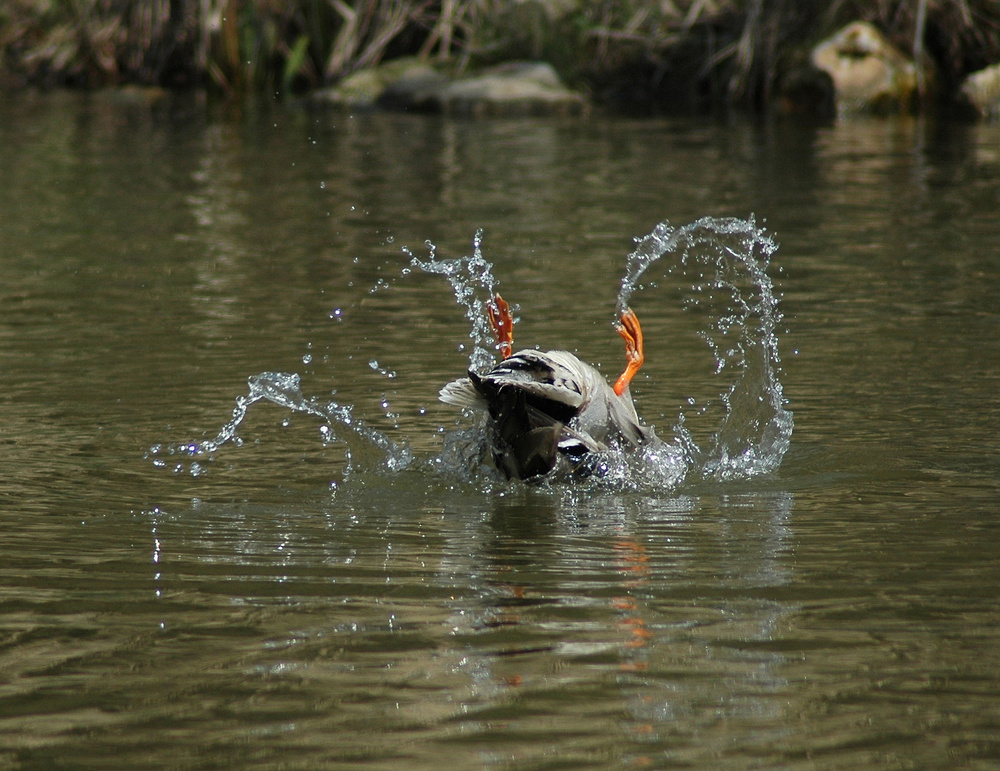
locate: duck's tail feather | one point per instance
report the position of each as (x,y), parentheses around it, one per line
(462,393)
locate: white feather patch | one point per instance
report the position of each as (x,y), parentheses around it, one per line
(462,393)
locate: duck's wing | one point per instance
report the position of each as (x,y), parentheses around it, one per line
(554,381)
(608,417)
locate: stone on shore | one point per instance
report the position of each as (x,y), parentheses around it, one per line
(363,89)
(514,89)
(869,74)
(980,93)
(518,89)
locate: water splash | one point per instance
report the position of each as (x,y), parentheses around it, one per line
(284,389)
(719,267)
(722,264)
(474,285)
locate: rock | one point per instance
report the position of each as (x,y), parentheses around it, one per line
(364,89)
(418,89)
(980,93)
(869,73)
(520,88)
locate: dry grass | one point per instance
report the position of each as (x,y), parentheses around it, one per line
(722,50)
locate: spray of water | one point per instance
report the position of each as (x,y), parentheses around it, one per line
(718,267)
(284,389)
(474,285)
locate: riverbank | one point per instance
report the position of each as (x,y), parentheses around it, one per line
(685,55)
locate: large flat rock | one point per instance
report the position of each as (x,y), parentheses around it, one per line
(514,89)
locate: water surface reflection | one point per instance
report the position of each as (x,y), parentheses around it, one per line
(841,612)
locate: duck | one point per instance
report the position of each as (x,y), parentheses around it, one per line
(549,410)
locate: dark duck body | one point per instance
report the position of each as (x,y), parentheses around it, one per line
(548,409)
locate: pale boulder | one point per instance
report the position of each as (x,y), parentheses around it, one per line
(981,93)
(870,75)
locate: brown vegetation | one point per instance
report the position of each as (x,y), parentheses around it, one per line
(684,51)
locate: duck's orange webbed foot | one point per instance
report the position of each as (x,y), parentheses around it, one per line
(631,333)
(503,325)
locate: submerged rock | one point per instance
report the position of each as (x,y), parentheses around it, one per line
(980,93)
(869,73)
(518,88)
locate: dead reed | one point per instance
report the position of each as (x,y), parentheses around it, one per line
(721,50)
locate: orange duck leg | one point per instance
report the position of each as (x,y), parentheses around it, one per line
(631,333)
(503,325)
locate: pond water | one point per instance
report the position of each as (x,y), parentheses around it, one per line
(323,594)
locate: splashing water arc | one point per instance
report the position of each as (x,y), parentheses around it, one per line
(719,267)
(722,266)
(474,285)
(283,389)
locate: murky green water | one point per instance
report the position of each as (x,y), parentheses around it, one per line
(283,608)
